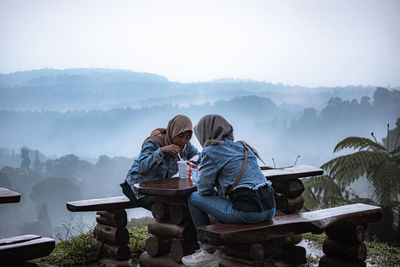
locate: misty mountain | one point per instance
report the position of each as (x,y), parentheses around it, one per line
(84,127)
(87,89)
(274,129)
(46,77)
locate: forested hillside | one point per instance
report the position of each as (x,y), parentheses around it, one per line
(84,127)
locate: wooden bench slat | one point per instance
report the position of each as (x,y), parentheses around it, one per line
(17,239)
(281,226)
(108,203)
(290,173)
(27,250)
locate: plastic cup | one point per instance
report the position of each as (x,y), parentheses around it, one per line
(183,169)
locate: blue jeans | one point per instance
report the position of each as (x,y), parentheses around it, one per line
(223,211)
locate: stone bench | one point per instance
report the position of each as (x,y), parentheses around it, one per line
(14,251)
(273,243)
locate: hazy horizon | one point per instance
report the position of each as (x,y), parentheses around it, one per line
(90,112)
(307,43)
(216,79)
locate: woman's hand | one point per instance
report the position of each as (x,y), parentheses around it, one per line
(171,149)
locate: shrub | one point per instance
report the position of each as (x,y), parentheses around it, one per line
(77,250)
(82,249)
(137,239)
(381,254)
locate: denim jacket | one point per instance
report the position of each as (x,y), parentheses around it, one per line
(220,165)
(152,164)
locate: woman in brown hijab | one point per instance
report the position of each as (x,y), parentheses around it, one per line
(158,157)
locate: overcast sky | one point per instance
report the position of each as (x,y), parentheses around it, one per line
(309,43)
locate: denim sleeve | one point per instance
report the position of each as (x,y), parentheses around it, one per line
(208,171)
(149,157)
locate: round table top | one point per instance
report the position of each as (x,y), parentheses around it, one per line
(171,187)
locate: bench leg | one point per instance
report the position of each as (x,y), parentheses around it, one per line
(278,252)
(112,236)
(345,247)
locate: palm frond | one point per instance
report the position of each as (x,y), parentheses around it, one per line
(322,183)
(358,142)
(348,168)
(358,199)
(313,187)
(396,158)
(323,192)
(395,151)
(311,201)
(386,181)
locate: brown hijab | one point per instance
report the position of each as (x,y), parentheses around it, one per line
(211,129)
(179,124)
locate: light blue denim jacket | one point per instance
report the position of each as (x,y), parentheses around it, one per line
(220,165)
(152,164)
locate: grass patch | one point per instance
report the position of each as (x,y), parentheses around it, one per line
(318,239)
(79,249)
(381,254)
(82,249)
(311,259)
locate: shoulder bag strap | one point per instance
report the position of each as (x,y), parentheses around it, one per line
(241,171)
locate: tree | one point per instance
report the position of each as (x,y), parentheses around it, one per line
(4,181)
(323,192)
(392,140)
(69,166)
(41,226)
(37,165)
(380,163)
(26,162)
(54,192)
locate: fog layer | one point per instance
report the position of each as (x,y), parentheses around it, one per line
(82,129)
